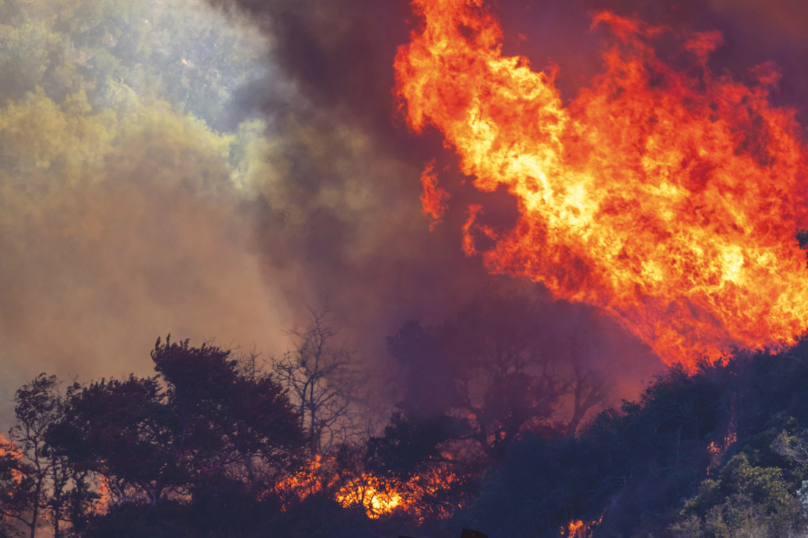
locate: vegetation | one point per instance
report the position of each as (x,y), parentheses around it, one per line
(495,427)
(128,93)
(212,445)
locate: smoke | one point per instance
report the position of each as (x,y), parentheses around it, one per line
(339,217)
(121,216)
(343,216)
(118,228)
(92,273)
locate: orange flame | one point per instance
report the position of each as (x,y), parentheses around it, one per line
(670,199)
(433,199)
(8,447)
(575,529)
(717,451)
(581,529)
(368,491)
(378,496)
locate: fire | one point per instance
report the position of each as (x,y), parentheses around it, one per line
(668,198)
(377,495)
(580,529)
(104,497)
(433,199)
(717,451)
(368,491)
(8,448)
(300,485)
(576,528)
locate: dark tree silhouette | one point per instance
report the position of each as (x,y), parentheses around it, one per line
(324,382)
(40,484)
(497,367)
(202,414)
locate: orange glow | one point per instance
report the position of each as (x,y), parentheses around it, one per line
(104,497)
(581,529)
(7,447)
(378,496)
(302,484)
(717,451)
(433,199)
(577,529)
(668,198)
(369,492)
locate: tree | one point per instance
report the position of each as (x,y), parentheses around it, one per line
(744,501)
(203,414)
(497,367)
(41,484)
(12,490)
(322,377)
(588,386)
(408,446)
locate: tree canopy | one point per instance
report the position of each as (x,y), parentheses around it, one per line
(203,413)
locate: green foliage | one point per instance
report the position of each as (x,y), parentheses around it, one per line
(175,50)
(744,500)
(97,92)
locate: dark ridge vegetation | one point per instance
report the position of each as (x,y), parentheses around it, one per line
(214,446)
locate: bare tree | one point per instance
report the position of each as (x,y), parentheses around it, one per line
(502,368)
(38,483)
(324,381)
(588,386)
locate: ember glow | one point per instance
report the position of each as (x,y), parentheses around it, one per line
(378,496)
(581,529)
(369,492)
(668,197)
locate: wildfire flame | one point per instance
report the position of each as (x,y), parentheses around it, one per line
(368,491)
(9,448)
(668,198)
(581,529)
(378,496)
(433,199)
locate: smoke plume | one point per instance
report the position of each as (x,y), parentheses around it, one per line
(131,218)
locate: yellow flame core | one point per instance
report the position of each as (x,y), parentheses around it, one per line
(368,491)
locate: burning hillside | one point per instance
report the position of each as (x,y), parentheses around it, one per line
(666,196)
(457,349)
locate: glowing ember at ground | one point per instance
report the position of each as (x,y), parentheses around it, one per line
(667,197)
(368,491)
(580,529)
(378,496)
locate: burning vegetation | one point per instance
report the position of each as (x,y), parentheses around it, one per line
(665,194)
(213,446)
